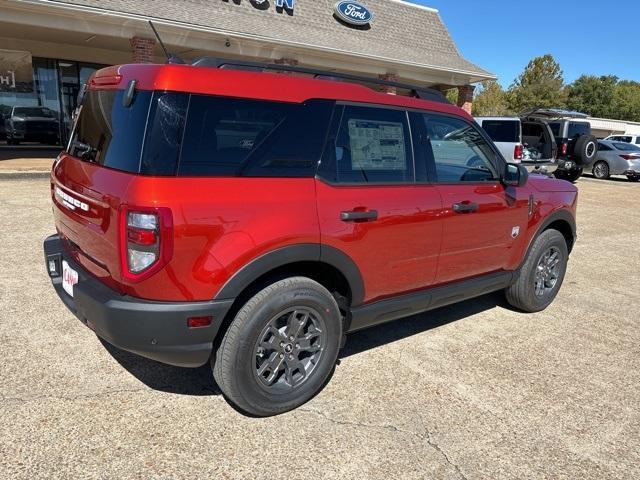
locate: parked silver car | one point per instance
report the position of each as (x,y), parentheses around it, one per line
(617,158)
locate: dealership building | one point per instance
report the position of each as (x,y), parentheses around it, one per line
(48,48)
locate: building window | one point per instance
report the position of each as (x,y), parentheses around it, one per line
(53,90)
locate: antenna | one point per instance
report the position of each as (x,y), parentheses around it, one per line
(171,58)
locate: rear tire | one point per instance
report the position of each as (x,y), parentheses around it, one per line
(542,273)
(601,170)
(280,348)
(633,178)
(569,175)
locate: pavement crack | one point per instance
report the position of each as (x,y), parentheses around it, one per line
(361,424)
(426,437)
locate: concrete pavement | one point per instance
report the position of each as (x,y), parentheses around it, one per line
(471,391)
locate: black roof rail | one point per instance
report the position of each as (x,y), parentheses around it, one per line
(416,91)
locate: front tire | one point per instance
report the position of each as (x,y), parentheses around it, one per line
(633,178)
(280,348)
(601,170)
(542,273)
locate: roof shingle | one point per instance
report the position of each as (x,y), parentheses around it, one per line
(400,32)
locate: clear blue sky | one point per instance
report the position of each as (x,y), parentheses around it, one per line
(584,36)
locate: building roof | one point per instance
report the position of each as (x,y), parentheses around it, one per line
(400,33)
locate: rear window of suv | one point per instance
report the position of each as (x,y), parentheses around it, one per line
(578,128)
(502,130)
(169,133)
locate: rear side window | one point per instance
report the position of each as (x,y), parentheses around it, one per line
(236,137)
(108,133)
(578,128)
(370,145)
(555,128)
(502,130)
(626,146)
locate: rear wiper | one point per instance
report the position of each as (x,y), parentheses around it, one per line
(82,150)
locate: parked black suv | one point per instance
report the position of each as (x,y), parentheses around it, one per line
(32,124)
(577,147)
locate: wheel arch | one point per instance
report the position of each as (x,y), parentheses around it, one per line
(322,263)
(561,220)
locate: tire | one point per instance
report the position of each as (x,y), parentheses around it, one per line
(569,175)
(633,178)
(601,170)
(585,149)
(258,339)
(525,293)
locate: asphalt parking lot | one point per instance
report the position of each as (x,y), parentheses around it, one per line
(472,391)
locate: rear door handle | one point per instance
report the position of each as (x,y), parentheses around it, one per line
(465,207)
(355,215)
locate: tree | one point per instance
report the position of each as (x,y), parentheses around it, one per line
(541,84)
(593,95)
(490,100)
(626,101)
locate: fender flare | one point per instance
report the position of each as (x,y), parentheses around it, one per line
(563,215)
(306,252)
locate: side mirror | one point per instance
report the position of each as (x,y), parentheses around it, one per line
(515,175)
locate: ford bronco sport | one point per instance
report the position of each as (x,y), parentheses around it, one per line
(251,219)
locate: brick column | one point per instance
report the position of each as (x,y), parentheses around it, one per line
(292,62)
(142,49)
(390,77)
(465,97)
(286,61)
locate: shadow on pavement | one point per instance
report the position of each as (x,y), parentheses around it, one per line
(199,381)
(406,327)
(10,152)
(165,378)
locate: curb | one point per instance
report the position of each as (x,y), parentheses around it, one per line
(26,175)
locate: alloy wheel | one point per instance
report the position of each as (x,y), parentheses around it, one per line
(547,271)
(289,348)
(600,170)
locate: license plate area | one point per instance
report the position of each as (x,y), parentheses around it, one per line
(69,278)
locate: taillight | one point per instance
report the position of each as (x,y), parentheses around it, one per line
(517,152)
(146,241)
(564,148)
(630,157)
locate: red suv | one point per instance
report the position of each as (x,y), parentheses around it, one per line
(252,219)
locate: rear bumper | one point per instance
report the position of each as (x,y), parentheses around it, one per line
(155,330)
(540,167)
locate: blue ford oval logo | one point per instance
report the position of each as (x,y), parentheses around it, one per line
(353,12)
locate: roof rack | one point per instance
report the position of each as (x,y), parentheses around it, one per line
(416,91)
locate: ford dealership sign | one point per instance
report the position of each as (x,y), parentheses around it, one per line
(353,12)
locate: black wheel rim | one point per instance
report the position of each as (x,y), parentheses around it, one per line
(547,271)
(289,349)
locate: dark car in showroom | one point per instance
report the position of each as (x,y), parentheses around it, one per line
(32,124)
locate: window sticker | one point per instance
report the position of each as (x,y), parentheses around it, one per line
(376,145)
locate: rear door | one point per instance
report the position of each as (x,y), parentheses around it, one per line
(373,201)
(481,219)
